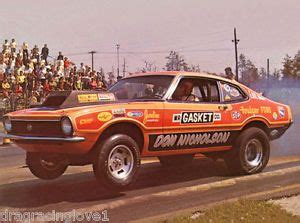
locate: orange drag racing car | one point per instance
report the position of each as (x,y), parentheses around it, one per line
(169,115)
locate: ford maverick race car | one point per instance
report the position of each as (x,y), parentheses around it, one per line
(169,115)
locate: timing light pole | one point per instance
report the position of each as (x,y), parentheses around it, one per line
(235,41)
(118,70)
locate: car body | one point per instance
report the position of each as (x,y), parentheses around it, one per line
(142,107)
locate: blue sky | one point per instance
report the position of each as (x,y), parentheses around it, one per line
(147,29)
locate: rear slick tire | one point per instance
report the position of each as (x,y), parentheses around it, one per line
(250,153)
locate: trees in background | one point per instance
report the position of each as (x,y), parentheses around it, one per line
(247,70)
(291,66)
(176,62)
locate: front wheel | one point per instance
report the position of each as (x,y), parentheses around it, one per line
(46,166)
(250,153)
(117,162)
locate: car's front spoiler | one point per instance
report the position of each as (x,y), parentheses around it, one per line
(49,139)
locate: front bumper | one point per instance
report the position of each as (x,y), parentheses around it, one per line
(51,139)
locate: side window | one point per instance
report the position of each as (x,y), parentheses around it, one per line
(231,93)
(197,90)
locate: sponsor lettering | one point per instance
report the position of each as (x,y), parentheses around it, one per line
(135,114)
(265,110)
(254,111)
(104,116)
(189,140)
(106,97)
(176,118)
(85,121)
(217,117)
(118,112)
(86,98)
(196,117)
(249,110)
(150,116)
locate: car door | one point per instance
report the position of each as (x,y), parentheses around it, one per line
(190,125)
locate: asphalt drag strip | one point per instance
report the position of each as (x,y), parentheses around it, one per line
(158,190)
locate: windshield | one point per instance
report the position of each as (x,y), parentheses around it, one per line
(144,87)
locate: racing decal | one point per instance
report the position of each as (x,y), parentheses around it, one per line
(85,98)
(260,97)
(135,114)
(106,97)
(176,118)
(249,110)
(217,117)
(253,111)
(235,115)
(227,98)
(104,116)
(265,110)
(150,116)
(190,140)
(275,116)
(118,112)
(85,121)
(281,112)
(226,87)
(255,95)
(196,117)
(234,92)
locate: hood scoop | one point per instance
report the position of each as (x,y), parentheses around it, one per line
(68,99)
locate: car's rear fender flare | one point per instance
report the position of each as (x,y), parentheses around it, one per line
(258,122)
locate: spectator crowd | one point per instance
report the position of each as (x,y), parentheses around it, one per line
(33,72)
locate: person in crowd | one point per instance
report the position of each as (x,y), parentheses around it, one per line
(21,80)
(5,47)
(45,53)
(228,73)
(52,84)
(13,46)
(60,56)
(25,53)
(93,84)
(46,88)
(28,71)
(78,83)
(5,88)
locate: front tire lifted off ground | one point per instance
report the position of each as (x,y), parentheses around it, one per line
(117,162)
(46,166)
